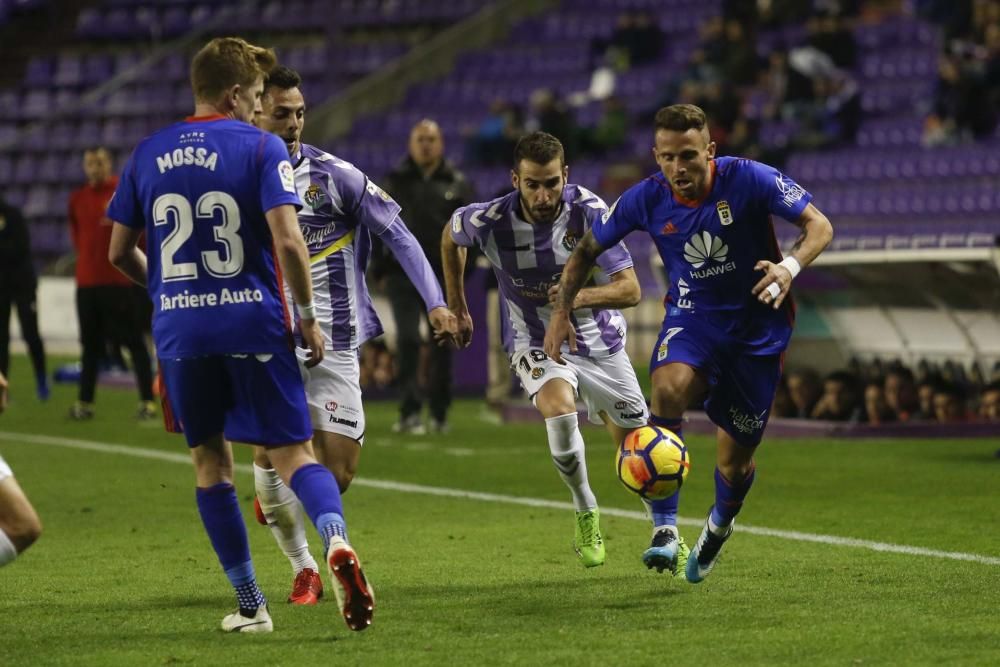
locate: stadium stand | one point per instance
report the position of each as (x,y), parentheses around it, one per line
(856,100)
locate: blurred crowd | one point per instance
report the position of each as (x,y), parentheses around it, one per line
(966,102)
(878,392)
(809,82)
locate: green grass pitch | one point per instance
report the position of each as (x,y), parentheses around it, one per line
(124,575)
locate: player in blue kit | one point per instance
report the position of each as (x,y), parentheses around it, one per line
(726,324)
(216,199)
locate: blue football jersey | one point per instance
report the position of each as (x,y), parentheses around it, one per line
(709,247)
(200,189)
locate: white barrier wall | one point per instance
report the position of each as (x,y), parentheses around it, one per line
(56,317)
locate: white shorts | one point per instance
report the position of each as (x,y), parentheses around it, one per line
(333,392)
(605,384)
(5,470)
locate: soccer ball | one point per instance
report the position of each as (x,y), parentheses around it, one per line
(653,462)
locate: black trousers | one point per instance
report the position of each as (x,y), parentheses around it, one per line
(23,299)
(111,314)
(408,310)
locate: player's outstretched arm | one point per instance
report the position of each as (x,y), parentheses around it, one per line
(622,292)
(407,251)
(817,232)
(453,258)
(293,256)
(124,254)
(574,274)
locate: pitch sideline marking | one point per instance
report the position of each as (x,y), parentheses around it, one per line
(140,452)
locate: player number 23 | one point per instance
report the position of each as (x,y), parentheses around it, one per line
(176,208)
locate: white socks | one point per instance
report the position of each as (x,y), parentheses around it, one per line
(7,550)
(566,446)
(284,517)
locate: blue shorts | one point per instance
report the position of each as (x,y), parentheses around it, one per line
(256,399)
(741,383)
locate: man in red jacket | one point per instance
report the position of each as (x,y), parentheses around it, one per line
(105,301)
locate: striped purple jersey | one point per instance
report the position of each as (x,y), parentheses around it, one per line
(528,259)
(342,208)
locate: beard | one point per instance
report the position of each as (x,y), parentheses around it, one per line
(544,216)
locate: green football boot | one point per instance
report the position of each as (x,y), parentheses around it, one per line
(589,544)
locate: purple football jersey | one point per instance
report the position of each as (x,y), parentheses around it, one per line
(528,259)
(342,208)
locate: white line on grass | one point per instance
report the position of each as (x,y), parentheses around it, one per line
(173,457)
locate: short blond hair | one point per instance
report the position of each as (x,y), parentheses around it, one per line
(226,62)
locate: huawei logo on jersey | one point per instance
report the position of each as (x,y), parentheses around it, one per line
(669,228)
(702,247)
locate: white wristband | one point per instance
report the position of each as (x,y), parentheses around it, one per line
(306,312)
(792,265)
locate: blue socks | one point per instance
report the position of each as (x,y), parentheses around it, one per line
(319,494)
(729,496)
(316,489)
(665,511)
(220,512)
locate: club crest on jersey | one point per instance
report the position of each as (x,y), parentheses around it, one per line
(331,406)
(669,228)
(569,241)
(725,213)
(314,196)
(537,372)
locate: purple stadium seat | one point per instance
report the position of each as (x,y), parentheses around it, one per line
(68,70)
(36,202)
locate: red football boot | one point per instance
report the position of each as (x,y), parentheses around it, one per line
(307,589)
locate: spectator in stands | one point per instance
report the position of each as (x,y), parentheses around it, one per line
(18,285)
(610,131)
(804,391)
(548,114)
(968,88)
(105,299)
(830,34)
(989,402)
(737,59)
(925,394)
(782,405)
(645,42)
(839,401)
(901,394)
(877,411)
(777,13)
(428,188)
(949,403)
(493,140)
(637,40)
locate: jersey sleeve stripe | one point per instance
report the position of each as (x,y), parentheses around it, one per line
(341,243)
